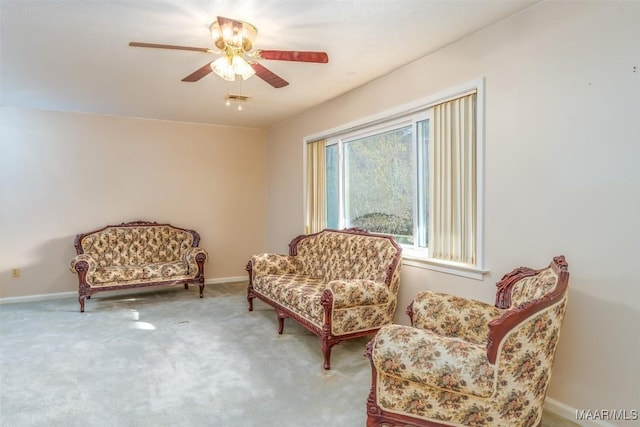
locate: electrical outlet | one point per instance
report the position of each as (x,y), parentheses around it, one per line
(15,273)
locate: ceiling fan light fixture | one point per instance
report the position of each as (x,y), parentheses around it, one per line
(242,67)
(228,36)
(227,66)
(234,40)
(222,67)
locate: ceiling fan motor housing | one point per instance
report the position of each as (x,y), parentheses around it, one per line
(228,33)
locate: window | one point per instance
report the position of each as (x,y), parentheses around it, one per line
(414,174)
(370,180)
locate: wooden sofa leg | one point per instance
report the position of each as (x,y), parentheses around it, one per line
(281,317)
(186,286)
(81,301)
(326,351)
(201,290)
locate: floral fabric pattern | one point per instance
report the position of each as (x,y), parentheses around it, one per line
(275,264)
(451,364)
(352,293)
(453,316)
(136,245)
(296,292)
(363,318)
(134,255)
(117,274)
(442,373)
(534,287)
(338,256)
(353,268)
(165,269)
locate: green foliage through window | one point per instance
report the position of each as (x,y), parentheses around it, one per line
(377,182)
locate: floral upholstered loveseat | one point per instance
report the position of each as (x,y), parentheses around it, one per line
(467,363)
(337,284)
(137,254)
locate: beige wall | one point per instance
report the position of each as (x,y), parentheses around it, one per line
(562,126)
(64,173)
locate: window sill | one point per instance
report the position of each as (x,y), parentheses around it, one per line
(415,259)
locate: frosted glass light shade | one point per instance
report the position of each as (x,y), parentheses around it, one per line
(222,67)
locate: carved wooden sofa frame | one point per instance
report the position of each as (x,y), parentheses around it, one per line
(325,330)
(83,263)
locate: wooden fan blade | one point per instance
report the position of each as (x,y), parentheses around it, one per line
(268,75)
(292,55)
(171,46)
(199,73)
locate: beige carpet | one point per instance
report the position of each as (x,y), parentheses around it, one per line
(168,358)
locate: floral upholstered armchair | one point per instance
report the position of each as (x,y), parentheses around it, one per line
(467,363)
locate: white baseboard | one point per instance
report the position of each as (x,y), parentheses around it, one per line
(39,297)
(74,294)
(569,413)
(226,280)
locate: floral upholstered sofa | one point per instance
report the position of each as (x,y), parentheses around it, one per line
(468,363)
(137,254)
(337,284)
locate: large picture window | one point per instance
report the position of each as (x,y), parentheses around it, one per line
(414,175)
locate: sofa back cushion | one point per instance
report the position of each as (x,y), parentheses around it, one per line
(136,245)
(332,255)
(531,288)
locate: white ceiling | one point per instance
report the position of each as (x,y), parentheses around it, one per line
(69,55)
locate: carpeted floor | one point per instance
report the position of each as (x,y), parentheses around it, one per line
(168,358)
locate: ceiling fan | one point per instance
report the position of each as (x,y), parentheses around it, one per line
(234,42)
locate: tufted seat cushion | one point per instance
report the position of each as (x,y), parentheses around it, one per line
(165,269)
(131,273)
(423,357)
(118,273)
(297,292)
